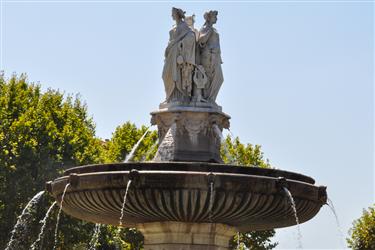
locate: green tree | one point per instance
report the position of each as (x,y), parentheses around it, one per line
(123,140)
(41,134)
(235,152)
(362,234)
(232,151)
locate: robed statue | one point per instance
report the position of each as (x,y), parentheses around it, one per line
(192,66)
(210,56)
(179,60)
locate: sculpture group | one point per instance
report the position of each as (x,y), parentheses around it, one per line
(187,198)
(192,68)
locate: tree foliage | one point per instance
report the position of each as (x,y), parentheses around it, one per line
(235,152)
(362,234)
(41,134)
(44,133)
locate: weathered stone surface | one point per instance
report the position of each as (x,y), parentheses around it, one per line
(186,133)
(192,65)
(186,236)
(245,198)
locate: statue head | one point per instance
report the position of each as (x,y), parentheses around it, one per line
(177,14)
(190,20)
(210,16)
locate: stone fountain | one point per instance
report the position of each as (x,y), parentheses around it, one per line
(186,198)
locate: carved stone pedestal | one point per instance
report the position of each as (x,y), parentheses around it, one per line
(186,236)
(190,133)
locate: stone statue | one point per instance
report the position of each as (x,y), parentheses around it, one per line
(179,60)
(210,56)
(190,20)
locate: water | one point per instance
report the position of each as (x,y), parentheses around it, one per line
(231,134)
(293,205)
(58,216)
(124,202)
(211,201)
(339,228)
(238,240)
(95,237)
(44,223)
(21,226)
(149,152)
(231,159)
(135,147)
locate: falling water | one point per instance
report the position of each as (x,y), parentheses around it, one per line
(149,152)
(135,147)
(44,223)
(124,202)
(224,143)
(58,216)
(211,200)
(339,228)
(22,221)
(230,132)
(293,205)
(238,240)
(95,237)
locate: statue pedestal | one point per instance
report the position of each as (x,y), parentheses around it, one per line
(186,236)
(190,133)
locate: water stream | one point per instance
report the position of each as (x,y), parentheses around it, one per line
(58,216)
(339,228)
(124,202)
(95,237)
(149,152)
(231,159)
(293,205)
(238,240)
(44,223)
(211,201)
(21,226)
(135,147)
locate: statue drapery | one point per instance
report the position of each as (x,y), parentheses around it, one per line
(192,59)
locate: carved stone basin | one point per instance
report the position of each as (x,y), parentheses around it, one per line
(244,198)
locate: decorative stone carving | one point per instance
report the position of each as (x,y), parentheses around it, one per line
(187,134)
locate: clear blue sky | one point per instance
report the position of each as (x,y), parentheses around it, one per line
(298,81)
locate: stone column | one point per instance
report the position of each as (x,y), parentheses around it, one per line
(186,236)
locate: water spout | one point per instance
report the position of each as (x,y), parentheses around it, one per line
(339,228)
(293,205)
(58,216)
(95,237)
(135,147)
(22,221)
(211,181)
(44,223)
(124,202)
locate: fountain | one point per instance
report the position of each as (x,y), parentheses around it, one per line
(187,196)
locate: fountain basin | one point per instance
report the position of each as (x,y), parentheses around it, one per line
(246,198)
